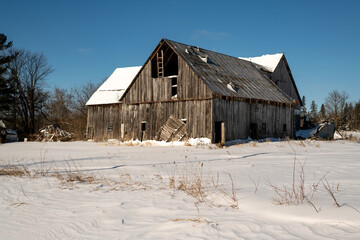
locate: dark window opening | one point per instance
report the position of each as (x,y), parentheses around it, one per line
(143,126)
(284,129)
(143,131)
(263,127)
(164,63)
(110,127)
(174,87)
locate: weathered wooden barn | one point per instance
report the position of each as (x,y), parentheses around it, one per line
(184,91)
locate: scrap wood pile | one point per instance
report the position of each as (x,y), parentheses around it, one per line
(54,133)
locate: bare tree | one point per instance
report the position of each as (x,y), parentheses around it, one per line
(81,95)
(58,108)
(67,109)
(335,105)
(29,71)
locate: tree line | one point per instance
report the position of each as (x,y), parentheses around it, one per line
(336,109)
(26,105)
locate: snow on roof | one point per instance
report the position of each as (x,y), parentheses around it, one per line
(269,61)
(114,87)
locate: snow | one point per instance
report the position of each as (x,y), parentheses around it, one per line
(307,133)
(269,61)
(131,196)
(351,134)
(114,87)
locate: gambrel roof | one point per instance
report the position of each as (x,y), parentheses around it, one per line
(226,76)
(229,76)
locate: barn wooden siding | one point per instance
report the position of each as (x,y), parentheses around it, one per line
(149,100)
(104,121)
(239,115)
(149,90)
(282,77)
(197,115)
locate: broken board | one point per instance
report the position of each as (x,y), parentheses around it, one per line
(173,130)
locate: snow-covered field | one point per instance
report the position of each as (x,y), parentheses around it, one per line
(88,190)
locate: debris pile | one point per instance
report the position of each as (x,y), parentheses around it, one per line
(54,133)
(324,131)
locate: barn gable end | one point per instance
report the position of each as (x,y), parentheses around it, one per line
(283,78)
(179,83)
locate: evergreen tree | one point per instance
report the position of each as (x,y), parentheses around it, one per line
(322,113)
(7,90)
(313,112)
(303,109)
(355,116)
(348,120)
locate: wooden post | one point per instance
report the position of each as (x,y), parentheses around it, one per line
(122,131)
(223,133)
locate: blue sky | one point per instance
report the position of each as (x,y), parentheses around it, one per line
(86,40)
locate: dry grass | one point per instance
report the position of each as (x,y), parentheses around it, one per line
(253,144)
(18,204)
(194,220)
(232,193)
(9,169)
(188,179)
(14,171)
(256,184)
(301,143)
(187,143)
(219,145)
(330,190)
(192,178)
(197,181)
(99,139)
(78,177)
(293,194)
(353,138)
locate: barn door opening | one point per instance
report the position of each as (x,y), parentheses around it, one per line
(143,131)
(220,132)
(253,131)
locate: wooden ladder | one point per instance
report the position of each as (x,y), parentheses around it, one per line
(160,63)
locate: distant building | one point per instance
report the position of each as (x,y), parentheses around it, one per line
(185,91)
